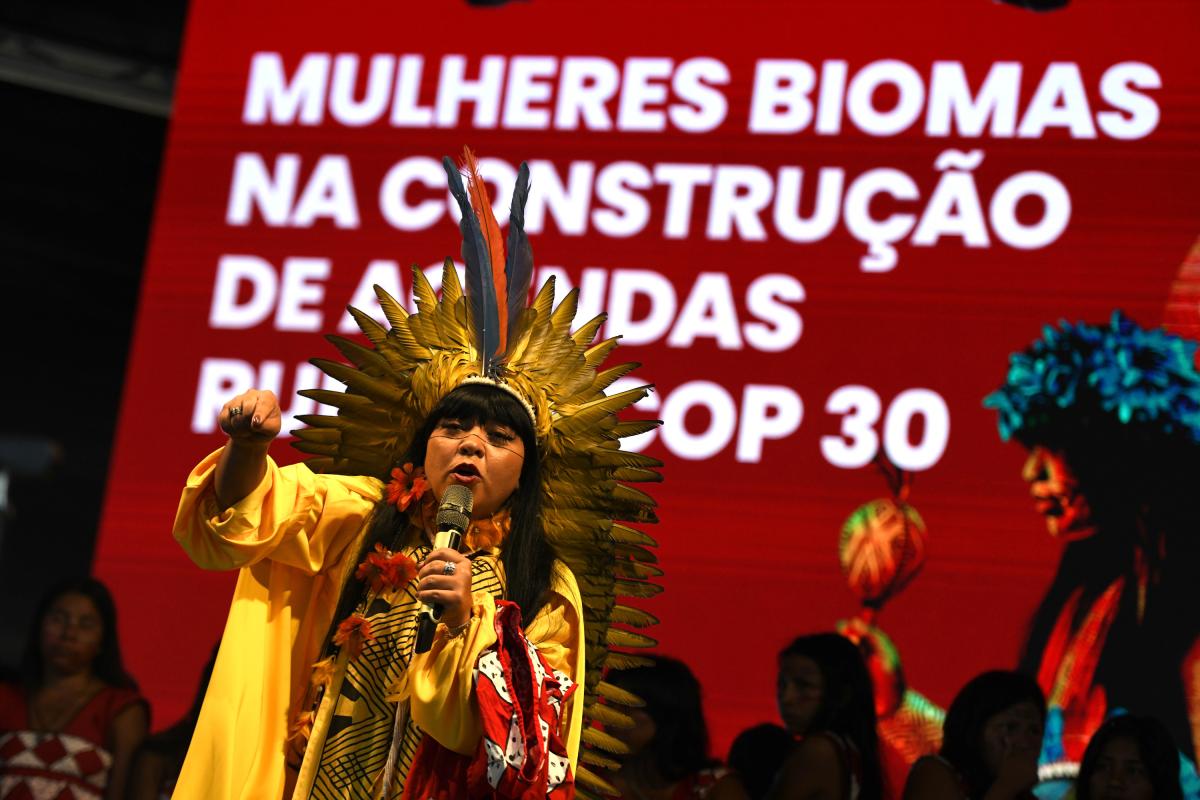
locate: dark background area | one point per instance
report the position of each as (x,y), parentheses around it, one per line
(85,93)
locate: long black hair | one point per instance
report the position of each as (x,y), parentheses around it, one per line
(108,665)
(527,556)
(1145,518)
(847,700)
(757,754)
(983,697)
(1158,751)
(672,696)
(1119,401)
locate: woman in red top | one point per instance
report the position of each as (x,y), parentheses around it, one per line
(70,727)
(826,701)
(668,743)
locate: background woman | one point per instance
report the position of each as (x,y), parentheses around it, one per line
(668,745)
(74,698)
(756,755)
(992,738)
(1130,758)
(826,700)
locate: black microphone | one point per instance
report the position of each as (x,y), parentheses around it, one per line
(453,518)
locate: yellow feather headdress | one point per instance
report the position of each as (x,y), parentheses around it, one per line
(489,333)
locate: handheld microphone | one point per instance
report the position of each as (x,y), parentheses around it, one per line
(453,518)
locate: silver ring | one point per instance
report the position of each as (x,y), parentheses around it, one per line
(449,568)
(234,412)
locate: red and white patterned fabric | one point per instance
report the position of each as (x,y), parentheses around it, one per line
(71,764)
(54,766)
(521,755)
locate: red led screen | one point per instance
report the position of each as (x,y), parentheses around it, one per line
(821,228)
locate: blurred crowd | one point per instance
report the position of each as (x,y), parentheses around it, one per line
(73,725)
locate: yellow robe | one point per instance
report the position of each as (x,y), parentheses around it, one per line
(292,539)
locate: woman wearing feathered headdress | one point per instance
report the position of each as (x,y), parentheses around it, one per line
(320,688)
(1110,416)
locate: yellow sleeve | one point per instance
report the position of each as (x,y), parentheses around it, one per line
(293,517)
(441,682)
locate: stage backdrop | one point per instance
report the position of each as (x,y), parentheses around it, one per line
(821,227)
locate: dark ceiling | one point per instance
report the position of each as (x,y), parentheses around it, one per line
(149,30)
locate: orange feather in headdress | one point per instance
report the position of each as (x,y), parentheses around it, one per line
(492,238)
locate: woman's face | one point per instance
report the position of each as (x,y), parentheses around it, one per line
(1120,773)
(486,458)
(1015,732)
(1057,495)
(72,631)
(799,690)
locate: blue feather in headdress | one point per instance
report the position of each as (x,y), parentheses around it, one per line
(519,266)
